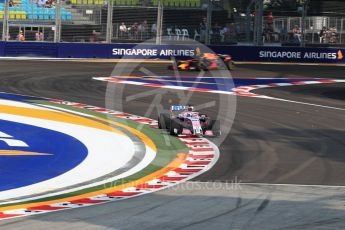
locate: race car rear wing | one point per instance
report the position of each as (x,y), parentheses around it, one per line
(175,108)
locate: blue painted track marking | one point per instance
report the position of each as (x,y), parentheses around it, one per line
(14,97)
(214,83)
(18,171)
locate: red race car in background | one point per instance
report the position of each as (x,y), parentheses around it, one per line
(206,61)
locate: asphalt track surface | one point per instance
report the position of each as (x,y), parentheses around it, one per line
(270,141)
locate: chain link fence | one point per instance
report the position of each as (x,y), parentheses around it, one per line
(133,21)
(86,23)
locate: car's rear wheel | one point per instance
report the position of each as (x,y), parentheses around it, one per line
(175,127)
(163,121)
(202,66)
(230,65)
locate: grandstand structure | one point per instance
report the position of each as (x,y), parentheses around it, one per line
(133,21)
(86,20)
(26,10)
(282,17)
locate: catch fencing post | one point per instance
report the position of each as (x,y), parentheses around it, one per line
(5,22)
(159,23)
(57,31)
(208,22)
(259,13)
(109,33)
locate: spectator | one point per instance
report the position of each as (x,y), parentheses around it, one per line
(39,36)
(202,29)
(284,35)
(123,30)
(323,34)
(11,3)
(21,37)
(216,28)
(269,34)
(41,3)
(135,30)
(154,30)
(266,35)
(93,37)
(216,32)
(123,27)
(49,4)
(143,28)
(270,19)
(296,32)
(232,31)
(333,35)
(223,32)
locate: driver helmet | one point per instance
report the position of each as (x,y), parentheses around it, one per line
(190,108)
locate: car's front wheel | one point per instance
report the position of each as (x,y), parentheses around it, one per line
(230,65)
(214,125)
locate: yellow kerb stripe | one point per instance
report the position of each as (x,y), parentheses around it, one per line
(55,116)
(21,153)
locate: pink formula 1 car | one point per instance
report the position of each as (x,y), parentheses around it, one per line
(183,120)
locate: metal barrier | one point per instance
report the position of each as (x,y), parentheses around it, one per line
(249,54)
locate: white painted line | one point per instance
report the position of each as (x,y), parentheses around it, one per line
(21,104)
(296,185)
(304,103)
(246,90)
(100,60)
(271,184)
(64,110)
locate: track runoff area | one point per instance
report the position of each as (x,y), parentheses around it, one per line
(58,154)
(68,155)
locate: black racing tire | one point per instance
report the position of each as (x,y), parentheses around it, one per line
(175,124)
(164,121)
(214,125)
(175,65)
(202,67)
(230,65)
(194,65)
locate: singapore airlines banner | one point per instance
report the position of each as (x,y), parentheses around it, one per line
(152,51)
(284,54)
(239,53)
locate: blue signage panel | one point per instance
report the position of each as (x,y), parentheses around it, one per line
(283,54)
(152,51)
